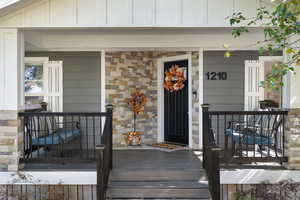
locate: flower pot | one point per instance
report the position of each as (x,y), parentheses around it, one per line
(133,138)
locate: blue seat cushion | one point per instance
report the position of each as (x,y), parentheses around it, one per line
(249,137)
(60,136)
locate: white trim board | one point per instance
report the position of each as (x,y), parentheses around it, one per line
(160,95)
(284,97)
(200,95)
(36,60)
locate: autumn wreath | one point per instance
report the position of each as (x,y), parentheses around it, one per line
(174,79)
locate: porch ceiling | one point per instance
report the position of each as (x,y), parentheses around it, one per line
(95,39)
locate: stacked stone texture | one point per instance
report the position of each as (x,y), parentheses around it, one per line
(292,139)
(127,71)
(10,140)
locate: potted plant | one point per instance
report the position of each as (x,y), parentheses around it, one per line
(137,103)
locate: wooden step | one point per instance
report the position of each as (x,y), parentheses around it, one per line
(159,184)
(146,175)
(159,198)
(157,193)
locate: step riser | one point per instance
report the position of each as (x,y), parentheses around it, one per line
(158,193)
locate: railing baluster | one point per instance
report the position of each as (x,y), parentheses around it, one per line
(38,136)
(283,135)
(240,138)
(94,137)
(87,136)
(247,146)
(226,151)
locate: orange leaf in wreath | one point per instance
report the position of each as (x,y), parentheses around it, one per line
(174,79)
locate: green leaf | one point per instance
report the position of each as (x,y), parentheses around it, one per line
(290,51)
(227,54)
(225,46)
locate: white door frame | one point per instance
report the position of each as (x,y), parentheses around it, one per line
(160,95)
(264,59)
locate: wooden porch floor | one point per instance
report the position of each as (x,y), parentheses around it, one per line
(154,174)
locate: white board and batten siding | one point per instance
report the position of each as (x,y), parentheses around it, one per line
(128,13)
(254,75)
(11,82)
(53,76)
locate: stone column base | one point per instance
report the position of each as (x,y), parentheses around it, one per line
(292,139)
(10,142)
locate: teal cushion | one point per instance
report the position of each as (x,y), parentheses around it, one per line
(249,137)
(60,136)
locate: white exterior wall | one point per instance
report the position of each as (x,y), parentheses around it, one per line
(11,97)
(291,91)
(11,59)
(128,13)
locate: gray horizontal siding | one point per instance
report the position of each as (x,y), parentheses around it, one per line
(81,85)
(226,94)
(81,79)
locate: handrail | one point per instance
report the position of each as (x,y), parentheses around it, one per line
(105,156)
(23,114)
(271,112)
(211,160)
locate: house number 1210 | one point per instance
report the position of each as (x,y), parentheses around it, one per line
(216,76)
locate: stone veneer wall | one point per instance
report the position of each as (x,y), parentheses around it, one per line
(127,71)
(292,139)
(10,141)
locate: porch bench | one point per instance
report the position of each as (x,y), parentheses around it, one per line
(45,131)
(262,134)
(249,137)
(60,136)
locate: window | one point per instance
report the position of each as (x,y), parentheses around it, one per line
(34,79)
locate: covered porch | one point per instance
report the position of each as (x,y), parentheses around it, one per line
(100,71)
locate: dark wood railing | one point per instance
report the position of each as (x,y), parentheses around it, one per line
(71,137)
(236,137)
(211,159)
(104,157)
(63,136)
(37,191)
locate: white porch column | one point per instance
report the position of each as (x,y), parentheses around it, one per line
(11,97)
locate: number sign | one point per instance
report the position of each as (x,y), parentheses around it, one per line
(221,76)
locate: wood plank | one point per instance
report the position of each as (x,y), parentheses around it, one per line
(156,174)
(181,184)
(159,193)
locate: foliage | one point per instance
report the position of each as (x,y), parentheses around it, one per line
(287,190)
(282,34)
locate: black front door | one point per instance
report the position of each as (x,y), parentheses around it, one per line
(176,127)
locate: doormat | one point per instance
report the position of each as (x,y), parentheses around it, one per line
(169,146)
